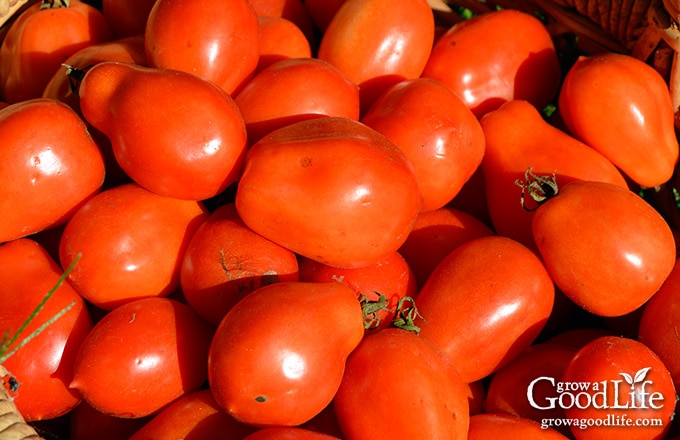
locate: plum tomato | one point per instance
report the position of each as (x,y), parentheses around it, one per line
(280,39)
(508,427)
(127,18)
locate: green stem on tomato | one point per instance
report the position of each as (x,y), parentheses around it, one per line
(371,310)
(539,188)
(406,316)
(54,4)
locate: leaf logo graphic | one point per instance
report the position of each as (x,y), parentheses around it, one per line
(639,376)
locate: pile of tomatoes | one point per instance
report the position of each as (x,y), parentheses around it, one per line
(316,219)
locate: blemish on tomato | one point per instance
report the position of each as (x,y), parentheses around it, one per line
(261,399)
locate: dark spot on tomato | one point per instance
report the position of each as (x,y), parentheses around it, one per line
(261,399)
(306,161)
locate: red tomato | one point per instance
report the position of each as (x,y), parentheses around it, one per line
(86,423)
(194,416)
(141,356)
(508,427)
(127,18)
(496,57)
(620,106)
(225,260)
(293,10)
(438,133)
(330,189)
(29,59)
(172,132)
(288,433)
(398,384)
(281,39)
(625,391)
(485,303)
(191,36)
(123,259)
(46,174)
(271,99)
(513,146)
(322,11)
(378,43)
(278,355)
(43,367)
(604,246)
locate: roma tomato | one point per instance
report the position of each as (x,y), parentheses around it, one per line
(620,106)
(322,11)
(438,133)
(280,39)
(29,58)
(126,18)
(141,356)
(221,45)
(604,246)
(378,43)
(330,189)
(517,138)
(496,57)
(46,173)
(288,433)
(271,99)
(195,157)
(225,260)
(485,303)
(278,356)
(627,393)
(86,423)
(398,384)
(43,367)
(292,10)
(509,427)
(123,259)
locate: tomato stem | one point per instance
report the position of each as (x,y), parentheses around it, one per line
(54,4)
(371,310)
(75,76)
(539,188)
(406,316)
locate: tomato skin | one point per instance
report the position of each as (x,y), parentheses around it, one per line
(598,239)
(141,356)
(126,18)
(399,383)
(191,36)
(356,185)
(322,11)
(489,292)
(438,133)
(506,426)
(292,10)
(46,173)
(225,260)
(288,433)
(496,57)
(43,367)
(86,423)
(122,261)
(635,129)
(278,355)
(280,39)
(195,159)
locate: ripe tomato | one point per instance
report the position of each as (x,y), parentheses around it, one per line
(634,129)
(86,423)
(141,356)
(322,11)
(270,100)
(225,260)
(126,18)
(281,39)
(196,157)
(378,43)
(627,391)
(604,246)
(509,427)
(513,146)
(398,384)
(288,433)
(123,259)
(330,189)
(191,36)
(46,174)
(29,59)
(436,130)
(278,355)
(292,10)
(496,57)
(43,367)
(491,293)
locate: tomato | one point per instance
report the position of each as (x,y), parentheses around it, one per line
(194,416)
(225,260)
(322,12)
(398,384)
(476,396)
(496,57)
(436,130)
(29,58)
(391,278)
(330,189)
(44,366)
(195,157)
(288,433)
(485,303)
(126,18)
(620,106)
(86,423)
(192,36)
(292,10)
(624,380)
(509,427)
(604,246)
(270,100)
(278,356)
(378,43)
(46,173)
(281,39)
(512,147)
(123,259)
(141,356)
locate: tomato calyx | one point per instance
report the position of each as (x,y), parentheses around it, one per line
(54,4)
(371,310)
(539,188)
(406,315)
(75,77)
